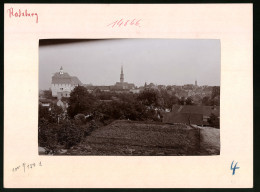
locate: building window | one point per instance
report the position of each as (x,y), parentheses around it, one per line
(61,88)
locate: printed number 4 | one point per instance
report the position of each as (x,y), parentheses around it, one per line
(234,168)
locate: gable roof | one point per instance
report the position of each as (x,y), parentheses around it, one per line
(65,78)
(76,81)
(194,109)
(184,118)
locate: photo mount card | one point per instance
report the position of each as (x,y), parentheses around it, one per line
(79,43)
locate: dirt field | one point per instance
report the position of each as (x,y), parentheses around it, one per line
(210,141)
(148,139)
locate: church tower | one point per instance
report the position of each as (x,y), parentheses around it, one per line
(196,83)
(122,75)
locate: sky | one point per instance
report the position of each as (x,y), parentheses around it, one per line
(158,61)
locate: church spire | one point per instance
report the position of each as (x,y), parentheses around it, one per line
(122,75)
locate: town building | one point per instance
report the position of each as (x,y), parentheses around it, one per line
(119,87)
(122,84)
(62,84)
(191,114)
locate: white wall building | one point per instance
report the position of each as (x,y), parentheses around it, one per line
(62,84)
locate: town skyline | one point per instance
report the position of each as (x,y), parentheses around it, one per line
(145,83)
(163,71)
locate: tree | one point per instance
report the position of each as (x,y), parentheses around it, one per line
(47,135)
(56,113)
(50,114)
(215,92)
(206,101)
(69,134)
(80,101)
(47,94)
(213,120)
(169,100)
(44,112)
(216,101)
(181,101)
(149,97)
(189,101)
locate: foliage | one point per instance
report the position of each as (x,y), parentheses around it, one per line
(207,101)
(215,92)
(69,134)
(47,135)
(149,97)
(51,114)
(181,101)
(88,111)
(80,119)
(47,94)
(213,121)
(80,101)
(169,100)
(189,101)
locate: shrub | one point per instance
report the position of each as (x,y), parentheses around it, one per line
(70,135)
(47,135)
(80,119)
(213,121)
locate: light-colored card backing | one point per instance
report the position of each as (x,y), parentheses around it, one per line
(231,23)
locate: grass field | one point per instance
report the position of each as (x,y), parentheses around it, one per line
(148,139)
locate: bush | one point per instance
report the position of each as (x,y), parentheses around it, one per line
(47,135)
(213,121)
(90,127)
(70,135)
(80,119)
(51,114)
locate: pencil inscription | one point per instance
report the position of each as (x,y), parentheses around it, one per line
(26,166)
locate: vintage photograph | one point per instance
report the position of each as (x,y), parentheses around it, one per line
(129,97)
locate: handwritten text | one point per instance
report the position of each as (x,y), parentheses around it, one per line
(22,13)
(234,168)
(124,23)
(26,166)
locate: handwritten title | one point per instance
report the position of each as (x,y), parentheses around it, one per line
(124,23)
(22,14)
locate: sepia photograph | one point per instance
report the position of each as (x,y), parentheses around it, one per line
(129,97)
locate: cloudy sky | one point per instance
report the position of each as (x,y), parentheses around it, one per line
(160,61)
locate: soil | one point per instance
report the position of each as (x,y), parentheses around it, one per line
(132,138)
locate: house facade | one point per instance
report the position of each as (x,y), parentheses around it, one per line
(62,84)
